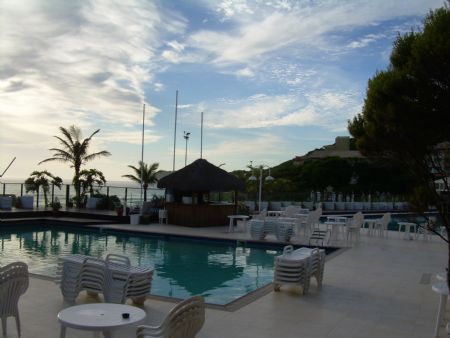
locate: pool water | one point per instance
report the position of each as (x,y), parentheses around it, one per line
(219,271)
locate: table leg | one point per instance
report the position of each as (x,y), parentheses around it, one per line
(108,334)
(63,332)
(230,227)
(440,315)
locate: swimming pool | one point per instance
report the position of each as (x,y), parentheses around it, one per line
(219,271)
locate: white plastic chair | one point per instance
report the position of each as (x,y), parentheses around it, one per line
(185,320)
(381,225)
(14,281)
(354,226)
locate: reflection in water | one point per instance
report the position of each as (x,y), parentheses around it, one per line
(218,271)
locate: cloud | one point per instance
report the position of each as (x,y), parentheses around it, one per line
(365,41)
(261,28)
(326,108)
(158,87)
(245,72)
(130,137)
(262,146)
(82,61)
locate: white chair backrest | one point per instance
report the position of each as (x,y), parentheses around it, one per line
(14,281)
(117,259)
(185,320)
(357,220)
(94,275)
(288,249)
(291,210)
(386,219)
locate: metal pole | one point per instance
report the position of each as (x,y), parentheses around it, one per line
(175,130)
(260,188)
(201,137)
(185,153)
(186,137)
(142,152)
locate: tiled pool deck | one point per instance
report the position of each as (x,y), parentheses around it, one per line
(380,287)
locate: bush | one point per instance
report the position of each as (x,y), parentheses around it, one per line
(107,202)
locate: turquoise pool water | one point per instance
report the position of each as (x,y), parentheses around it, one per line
(219,271)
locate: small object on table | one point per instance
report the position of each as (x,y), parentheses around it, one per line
(96,317)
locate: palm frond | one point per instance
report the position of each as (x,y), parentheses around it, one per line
(96,155)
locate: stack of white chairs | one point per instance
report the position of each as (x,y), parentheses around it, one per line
(114,277)
(14,281)
(284,231)
(257,229)
(94,277)
(68,277)
(296,267)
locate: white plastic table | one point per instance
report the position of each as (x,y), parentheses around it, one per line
(408,226)
(96,317)
(336,224)
(237,217)
(442,289)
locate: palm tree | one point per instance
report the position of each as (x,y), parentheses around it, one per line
(42,179)
(89,178)
(75,151)
(148,175)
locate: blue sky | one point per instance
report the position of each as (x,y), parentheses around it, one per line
(274,78)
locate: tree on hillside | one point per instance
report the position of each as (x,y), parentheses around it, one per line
(148,173)
(406,114)
(89,178)
(42,179)
(74,150)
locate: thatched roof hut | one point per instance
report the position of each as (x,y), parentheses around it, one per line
(188,199)
(201,176)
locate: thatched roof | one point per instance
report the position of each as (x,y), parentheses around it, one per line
(201,176)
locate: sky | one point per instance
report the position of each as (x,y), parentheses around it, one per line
(273,78)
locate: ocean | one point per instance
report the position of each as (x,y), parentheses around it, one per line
(118,188)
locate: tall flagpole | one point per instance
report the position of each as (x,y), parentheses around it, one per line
(201,137)
(142,153)
(175,130)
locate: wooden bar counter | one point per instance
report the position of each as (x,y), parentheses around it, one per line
(199,215)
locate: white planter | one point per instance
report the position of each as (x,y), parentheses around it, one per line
(134,219)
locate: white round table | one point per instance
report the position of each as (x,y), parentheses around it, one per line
(440,288)
(96,317)
(237,217)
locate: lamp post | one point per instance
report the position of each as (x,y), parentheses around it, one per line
(186,137)
(253,178)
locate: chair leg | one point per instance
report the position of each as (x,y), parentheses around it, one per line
(4,325)
(18,324)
